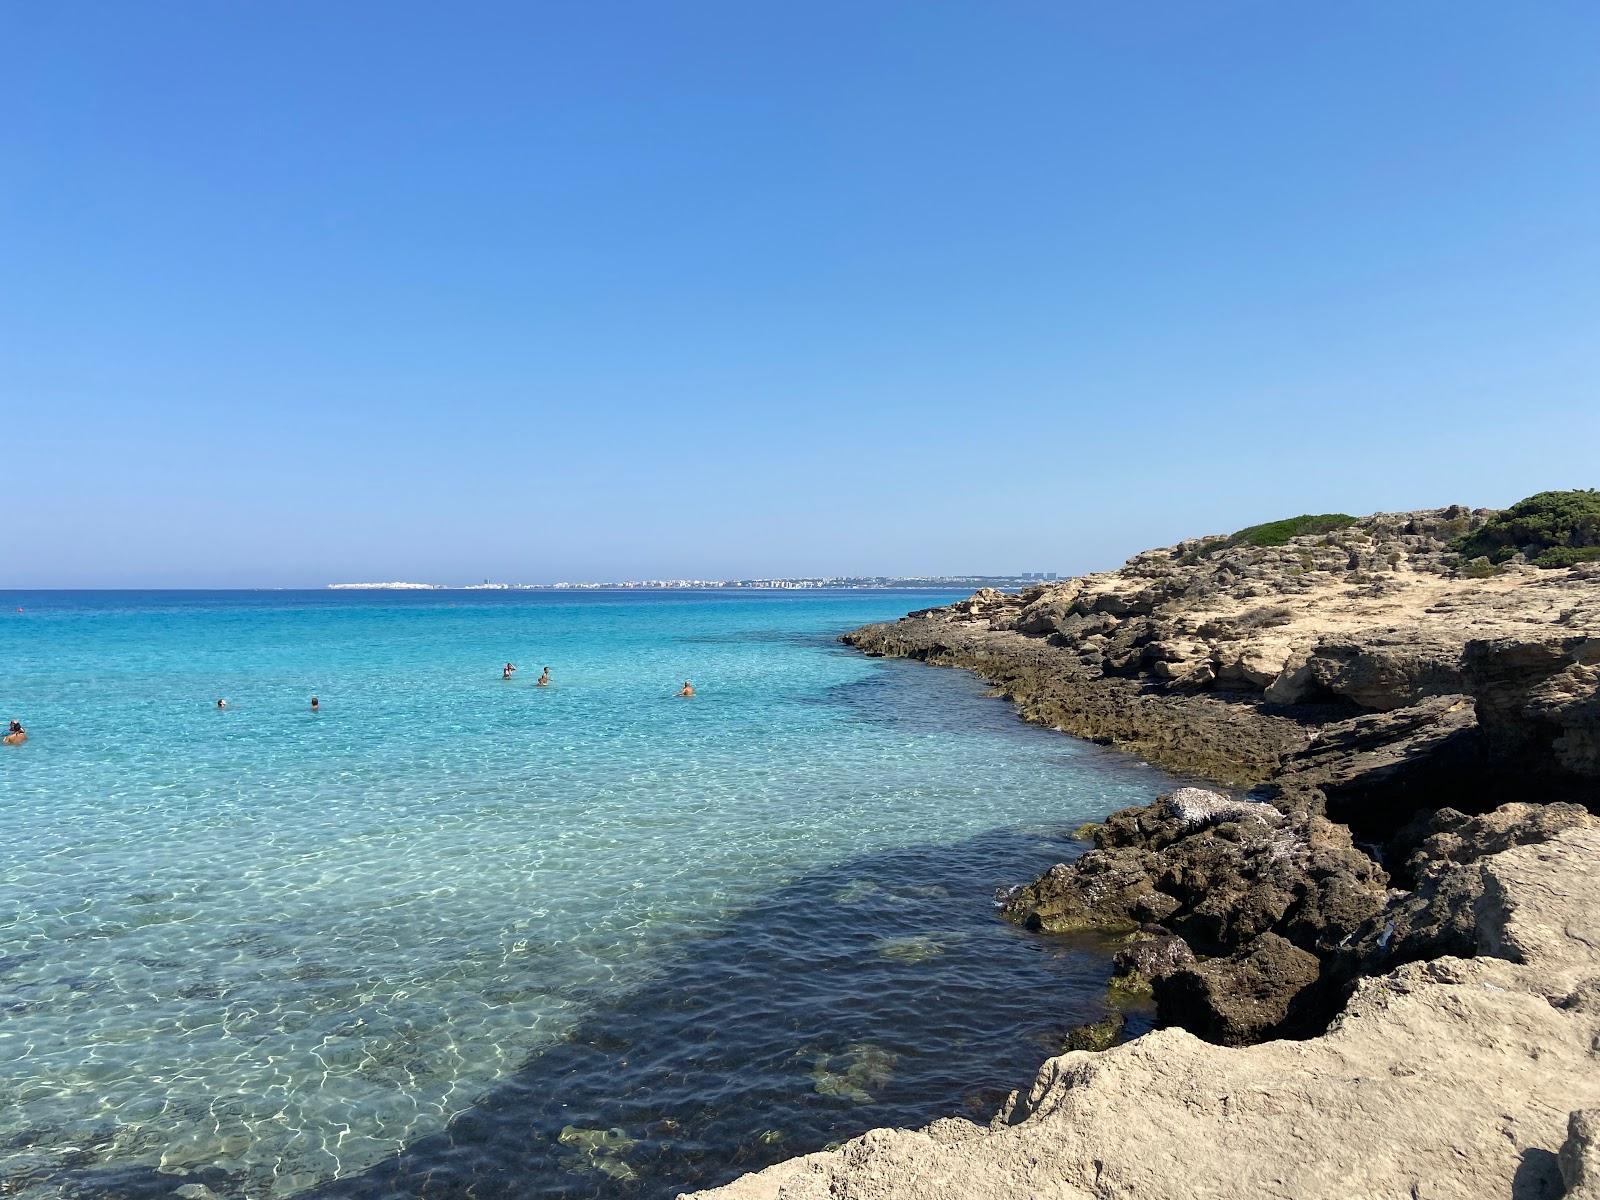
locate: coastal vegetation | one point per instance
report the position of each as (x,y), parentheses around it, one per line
(1278,533)
(1274,533)
(1554,529)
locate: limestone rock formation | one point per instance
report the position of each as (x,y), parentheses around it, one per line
(1359,678)
(1402,866)
(1440,916)
(1539,698)
(1374,615)
(1580,1155)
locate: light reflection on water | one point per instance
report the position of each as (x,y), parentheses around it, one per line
(271,948)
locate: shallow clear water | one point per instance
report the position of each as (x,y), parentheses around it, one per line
(446,927)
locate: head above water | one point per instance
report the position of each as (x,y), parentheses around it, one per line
(222,704)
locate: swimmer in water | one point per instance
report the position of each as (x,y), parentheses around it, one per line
(316,705)
(508,672)
(222,704)
(16,735)
(544,678)
(687,689)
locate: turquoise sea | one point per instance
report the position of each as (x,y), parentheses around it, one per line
(454,935)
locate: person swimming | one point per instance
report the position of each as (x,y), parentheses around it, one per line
(687,689)
(316,705)
(544,678)
(509,671)
(16,735)
(222,704)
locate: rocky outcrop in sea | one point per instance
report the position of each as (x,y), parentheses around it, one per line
(1370,939)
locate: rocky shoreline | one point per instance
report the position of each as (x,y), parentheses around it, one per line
(1398,876)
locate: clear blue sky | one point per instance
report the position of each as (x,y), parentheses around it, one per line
(296,292)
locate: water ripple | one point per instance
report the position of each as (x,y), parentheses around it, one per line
(267,952)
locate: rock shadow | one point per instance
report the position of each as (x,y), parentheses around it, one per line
(882,991)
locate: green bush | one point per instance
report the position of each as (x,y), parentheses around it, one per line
(1479,568)
(1560,528)
(1566,556)
(1278,533)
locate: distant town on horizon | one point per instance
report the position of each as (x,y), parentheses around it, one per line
(842,582)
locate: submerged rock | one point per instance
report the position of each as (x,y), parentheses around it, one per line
(909,949)
(857,891)
(602,1151)
(853,1074)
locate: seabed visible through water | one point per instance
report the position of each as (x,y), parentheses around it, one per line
(452,936)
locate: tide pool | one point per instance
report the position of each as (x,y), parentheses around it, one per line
(269,950)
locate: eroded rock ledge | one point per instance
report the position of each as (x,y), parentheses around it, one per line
(1414,861)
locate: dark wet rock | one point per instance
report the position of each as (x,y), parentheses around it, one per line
(1148,956)
(1096,1035)
(1102,890)
(1217,882)
(1265,990)
(1065,686)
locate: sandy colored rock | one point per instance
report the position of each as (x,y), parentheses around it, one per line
(1580,1155)
(1539,697)
(1377,615)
